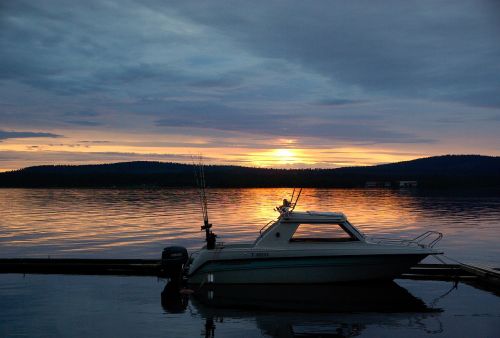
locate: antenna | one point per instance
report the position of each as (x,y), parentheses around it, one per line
(199,174)
(294,204)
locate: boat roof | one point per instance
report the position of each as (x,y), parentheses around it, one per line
(314,216)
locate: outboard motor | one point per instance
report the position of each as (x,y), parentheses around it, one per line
(173,260)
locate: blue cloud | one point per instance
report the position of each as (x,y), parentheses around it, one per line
(24,134)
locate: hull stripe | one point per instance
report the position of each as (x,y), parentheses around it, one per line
(304,262)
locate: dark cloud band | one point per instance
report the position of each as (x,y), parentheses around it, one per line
(24,134)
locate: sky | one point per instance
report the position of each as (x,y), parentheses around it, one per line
(294,84)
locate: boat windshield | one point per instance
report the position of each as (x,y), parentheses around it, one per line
(322,232)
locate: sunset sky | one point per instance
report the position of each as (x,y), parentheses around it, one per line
(257,83)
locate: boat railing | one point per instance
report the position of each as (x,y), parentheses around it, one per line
(428,235)
(264,228)
(426,240)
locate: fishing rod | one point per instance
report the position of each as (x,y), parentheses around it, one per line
(199,173)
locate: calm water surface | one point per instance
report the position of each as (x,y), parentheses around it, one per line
(138,223)
(90,306)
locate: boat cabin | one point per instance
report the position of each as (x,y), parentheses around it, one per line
(308,227)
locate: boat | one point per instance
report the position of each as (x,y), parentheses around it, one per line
(282,254)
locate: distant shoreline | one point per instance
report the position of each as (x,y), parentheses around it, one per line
(439,172)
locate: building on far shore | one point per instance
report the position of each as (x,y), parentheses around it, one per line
(388,184)
(408,184)
(378,184)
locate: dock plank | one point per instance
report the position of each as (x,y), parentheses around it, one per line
(134,267)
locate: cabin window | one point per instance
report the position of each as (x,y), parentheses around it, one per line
(332,232)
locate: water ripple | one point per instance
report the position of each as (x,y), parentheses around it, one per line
(138,223)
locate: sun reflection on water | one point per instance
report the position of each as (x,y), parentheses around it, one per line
(139,223)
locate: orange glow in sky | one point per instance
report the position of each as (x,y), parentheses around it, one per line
(117,147)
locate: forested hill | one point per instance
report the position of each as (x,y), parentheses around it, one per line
(432,172)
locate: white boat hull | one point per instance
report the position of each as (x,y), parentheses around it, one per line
(304,270)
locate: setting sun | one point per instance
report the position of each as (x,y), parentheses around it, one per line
(285,154)
(277,158)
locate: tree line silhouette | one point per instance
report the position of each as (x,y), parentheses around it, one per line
(433,172)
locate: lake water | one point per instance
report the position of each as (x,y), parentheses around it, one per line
(139,223)
(105,306)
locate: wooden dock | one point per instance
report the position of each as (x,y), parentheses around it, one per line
(489,277)
(444,272)
(76,266)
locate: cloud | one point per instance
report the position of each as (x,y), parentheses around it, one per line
(81,113)
(338,102)
(4,134)
(244,73)
(223,117)
(83,123)
(424,49)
